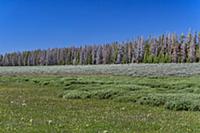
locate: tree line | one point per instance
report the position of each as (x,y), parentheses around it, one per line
(167,48)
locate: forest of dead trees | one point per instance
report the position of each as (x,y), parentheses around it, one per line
(170,48)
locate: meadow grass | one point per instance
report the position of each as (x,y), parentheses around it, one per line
(102,103)
(158,70)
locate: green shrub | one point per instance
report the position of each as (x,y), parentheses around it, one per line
(36,81)
(178,105)
(76,94)
(195,106)
(152,100)
(26,79)
(45,83)
(106,94)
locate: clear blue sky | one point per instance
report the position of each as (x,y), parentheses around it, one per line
(32,24)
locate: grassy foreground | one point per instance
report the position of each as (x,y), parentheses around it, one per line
(99,104)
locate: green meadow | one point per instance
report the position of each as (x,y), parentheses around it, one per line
(99,104)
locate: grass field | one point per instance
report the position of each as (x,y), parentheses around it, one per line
(170,69)
(101,103)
